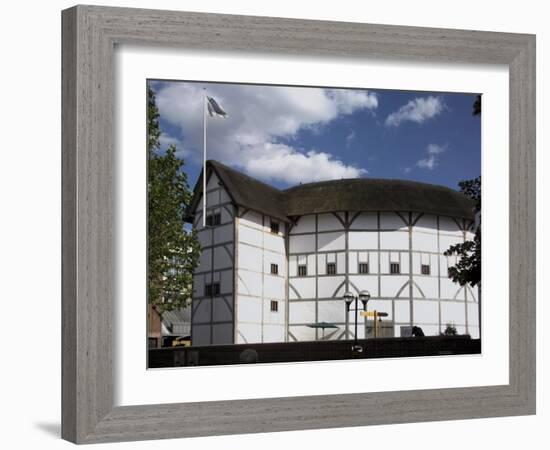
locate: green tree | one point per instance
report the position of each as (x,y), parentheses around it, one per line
(468,268)
(477,106)
(450,330)
(172,251)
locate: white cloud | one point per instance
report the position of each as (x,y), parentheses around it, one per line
(259,117)
(418,110)
(350,137)
(281,162)
(435,149)
(431,162)
(427,163)
(350,100)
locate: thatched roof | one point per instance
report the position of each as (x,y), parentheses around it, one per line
(359,194)
(245,191)
(371,194)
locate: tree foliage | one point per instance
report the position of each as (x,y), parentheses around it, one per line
(468,268)
(172,252)
(477,106)
(450,330)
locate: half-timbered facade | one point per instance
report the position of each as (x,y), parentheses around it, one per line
(276,264)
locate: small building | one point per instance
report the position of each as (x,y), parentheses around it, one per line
(276,263)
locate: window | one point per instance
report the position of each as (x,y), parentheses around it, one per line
(363,268)
(211,289)
(425,269)
(274,305)
(302,271)
(216,289)
(331,268)
(274,269)
(275,227)
(213,220)
(394,268)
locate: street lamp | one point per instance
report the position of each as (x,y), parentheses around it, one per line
(349,298)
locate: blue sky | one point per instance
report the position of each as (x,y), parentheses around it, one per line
(290,135)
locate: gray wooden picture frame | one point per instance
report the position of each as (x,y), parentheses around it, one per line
(89,36)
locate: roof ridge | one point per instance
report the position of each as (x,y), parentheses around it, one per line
(371,180)
(215,163)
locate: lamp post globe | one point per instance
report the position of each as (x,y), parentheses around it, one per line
(348,298)
(364,296)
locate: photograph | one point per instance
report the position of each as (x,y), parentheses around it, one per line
(297,223)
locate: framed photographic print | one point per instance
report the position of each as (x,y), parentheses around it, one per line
(294,208)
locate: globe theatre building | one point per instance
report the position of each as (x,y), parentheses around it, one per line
(275,264)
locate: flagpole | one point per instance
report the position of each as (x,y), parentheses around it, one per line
(204,159)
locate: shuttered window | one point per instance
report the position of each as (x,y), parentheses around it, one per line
(213,220)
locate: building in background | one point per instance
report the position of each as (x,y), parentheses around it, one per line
(276,263)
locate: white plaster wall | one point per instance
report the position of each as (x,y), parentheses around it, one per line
(302,311)
(332,312)
(258,248)
(274,287)
(453,312)
(302,244)
(251,219)
(331,241)
(398,240)
(249,258)
(392,221)
(201,311)
(273,242)
(426,242)
(302,288)
(274,258)
(205,238)
(329,222)
(327,286)
(363,239)
(222,311)
(365,221)
(428,285)
(402,312)
(223,257)
(205,262)
(305,224)
(216,265)
(380,247)
(222,333)
(213,182)
(249,283)
(249,310)
(365,282)
(250,235)
(426,311)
